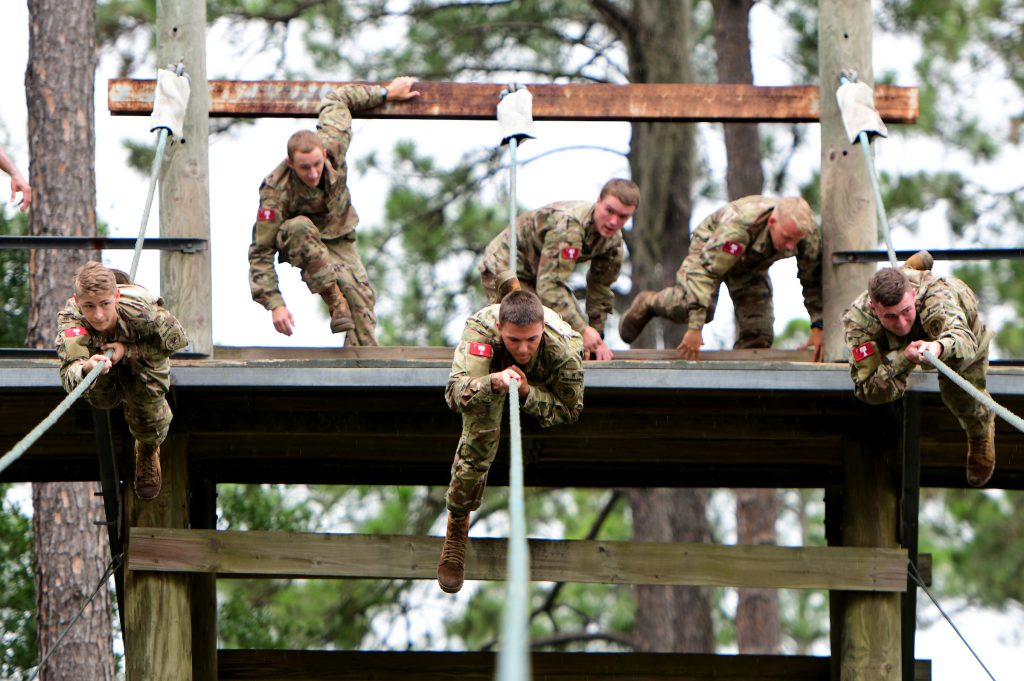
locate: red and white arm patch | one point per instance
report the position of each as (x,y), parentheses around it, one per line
(75,332)
(265,214)
(733,248)
(570,253)
(863,351)
(480,349)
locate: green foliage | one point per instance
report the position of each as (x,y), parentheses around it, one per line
(17,591)
(13,283)
(1001,280)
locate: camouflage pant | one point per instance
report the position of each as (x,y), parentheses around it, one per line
(141,390)
(323,261)
(751,294)
(473,457)
(974,417)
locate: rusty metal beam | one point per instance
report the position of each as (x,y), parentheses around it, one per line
(474,101)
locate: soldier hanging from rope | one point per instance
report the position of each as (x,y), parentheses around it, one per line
(906,312)
(129,320)
(306,218)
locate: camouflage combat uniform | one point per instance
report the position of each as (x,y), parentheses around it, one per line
(555,376)
(313,228)
(142,377)
(550,242)
(733,245)
(947,312)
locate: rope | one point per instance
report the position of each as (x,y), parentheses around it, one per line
(914,575)
(986,400)
(112,567)
(22,445)
(512,143)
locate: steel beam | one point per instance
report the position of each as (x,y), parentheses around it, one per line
(101,243)
(849,257)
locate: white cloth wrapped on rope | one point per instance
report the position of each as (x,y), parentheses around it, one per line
(857,105)
(515,115)
(172,92)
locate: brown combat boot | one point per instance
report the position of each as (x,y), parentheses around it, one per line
(451,569)
(636,317)
(981,456)
(147,470)
(922,260)
(506,282)
(341,315)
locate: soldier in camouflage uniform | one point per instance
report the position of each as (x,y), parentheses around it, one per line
(306,218)
(132,323)
(517,340)
(552,240)
(905,313)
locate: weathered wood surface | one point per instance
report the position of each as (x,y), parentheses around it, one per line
(298,665)
(574,102)
(286,554)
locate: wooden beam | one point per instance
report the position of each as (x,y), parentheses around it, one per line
(477,101)
(308,555)
(300,665)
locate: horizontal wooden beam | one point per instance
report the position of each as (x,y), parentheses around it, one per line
(308,555)
(475,101)
(302,665)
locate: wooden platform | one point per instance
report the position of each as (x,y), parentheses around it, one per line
(378,416)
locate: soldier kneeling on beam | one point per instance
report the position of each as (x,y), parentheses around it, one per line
(518,339)
(132,322)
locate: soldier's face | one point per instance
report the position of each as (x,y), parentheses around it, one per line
(100,310)
(785,235)
(897,319)
(309,166)
(521,341)
(610,215)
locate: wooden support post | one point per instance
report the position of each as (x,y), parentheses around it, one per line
(158,625)
(910,508)
(836,599)
(185,187)
(203,512)
(848,219)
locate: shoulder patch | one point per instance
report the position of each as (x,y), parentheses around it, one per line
(570,253)
(265,214)
(75,331)
(864,350)
(733,248)
(480,349)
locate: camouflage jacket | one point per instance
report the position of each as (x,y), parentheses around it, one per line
(149,332)
(735,239)
(947,312)
(550,242)
(555,374)
(284,196)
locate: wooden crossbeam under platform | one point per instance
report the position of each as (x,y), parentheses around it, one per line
(313,555)
(689,103)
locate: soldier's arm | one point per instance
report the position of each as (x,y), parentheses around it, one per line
(808,266)
(706,269)
(604,270)
(561,400)
(263,281)
(946,321)
(875,380)
(469,383)
(335,121)
(72,348)
(169,335)
(563,243)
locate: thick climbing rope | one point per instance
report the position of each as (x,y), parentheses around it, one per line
(22,445)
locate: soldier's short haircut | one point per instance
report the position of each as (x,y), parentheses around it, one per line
(796,209)
(94,279)
(887,286)
(303,142)
(625,191)
(521,308)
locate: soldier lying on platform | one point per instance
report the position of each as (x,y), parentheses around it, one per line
(307,219)
(552,240)
(520,338)
(133,323)
(737,244)
(888,328)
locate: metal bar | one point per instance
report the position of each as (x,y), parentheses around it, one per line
(910,509)
(110,482)
(573,102)
(847,257)
(102,243)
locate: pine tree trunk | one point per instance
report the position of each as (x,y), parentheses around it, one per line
(71,553)
(757,614)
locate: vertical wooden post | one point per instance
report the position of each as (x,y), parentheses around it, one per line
(910,508)
(848,218)
(158,620)
(185,188)
(203,510)
(836,599)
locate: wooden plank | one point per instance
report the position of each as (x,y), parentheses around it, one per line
(287,554)
(300,665)
(576,102)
